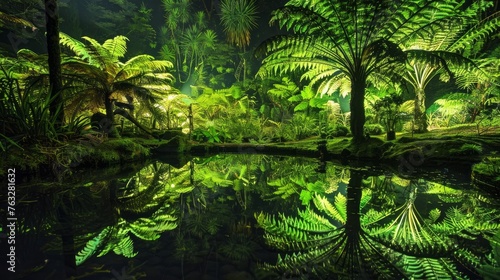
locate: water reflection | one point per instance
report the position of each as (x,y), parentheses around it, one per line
(258,217)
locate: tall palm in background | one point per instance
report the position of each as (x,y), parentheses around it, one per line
(238,17)
(359,40)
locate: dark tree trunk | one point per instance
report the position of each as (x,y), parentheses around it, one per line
(357,105)
(109,123)
(353,222)
(68,239)
(420,116)
(54,51)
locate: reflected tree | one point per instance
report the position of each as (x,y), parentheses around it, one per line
(349,238)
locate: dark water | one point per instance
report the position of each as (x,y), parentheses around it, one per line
(255,217)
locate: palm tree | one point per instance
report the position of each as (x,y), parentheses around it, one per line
(97,74)
(238,17)
(446,49)
(354,39)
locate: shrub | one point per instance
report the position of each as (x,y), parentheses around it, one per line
(337,130)
(374,129)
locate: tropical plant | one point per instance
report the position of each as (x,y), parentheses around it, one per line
(300,126)
(22,20)
(25,115)
(388,108)
(279,95)
(6,18)
(351,39)
(238,17)
(341,234)
(228,111)
(96,75)
(448,49)
(329,244)
(145,212)
(187,41)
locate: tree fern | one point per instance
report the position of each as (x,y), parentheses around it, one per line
(75,46)
(352,40)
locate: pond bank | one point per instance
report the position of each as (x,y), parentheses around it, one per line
(454,149)
(424,150)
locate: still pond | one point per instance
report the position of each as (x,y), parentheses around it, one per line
(256,217)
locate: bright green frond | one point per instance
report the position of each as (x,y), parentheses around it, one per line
(75,46)
(117,47)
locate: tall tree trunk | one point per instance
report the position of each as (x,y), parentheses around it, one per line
(54,50)
(420,117)
(357,105)
(353,252)
(354,191)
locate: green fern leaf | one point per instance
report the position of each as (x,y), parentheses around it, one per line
(92,246)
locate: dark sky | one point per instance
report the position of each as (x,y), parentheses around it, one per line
(75,10)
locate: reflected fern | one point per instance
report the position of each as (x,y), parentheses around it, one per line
(92,246)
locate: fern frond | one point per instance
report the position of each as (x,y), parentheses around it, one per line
(92,246)
(125,248)
(336,211)
(75,46)
(116,47)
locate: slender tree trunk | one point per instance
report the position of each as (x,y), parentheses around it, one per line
(357,105)
(420,118)
(108,125)
(54,50)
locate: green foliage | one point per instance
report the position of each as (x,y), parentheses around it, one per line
(123,17)
(210,135)
(454,108)
(92,246)
(329,43)
(491,269)
(238,17)
(374,129)
(428,268)
(300,127)
(238,247)
(336,130)
(466,226)
(469,149)
(26,117)
(388,108)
